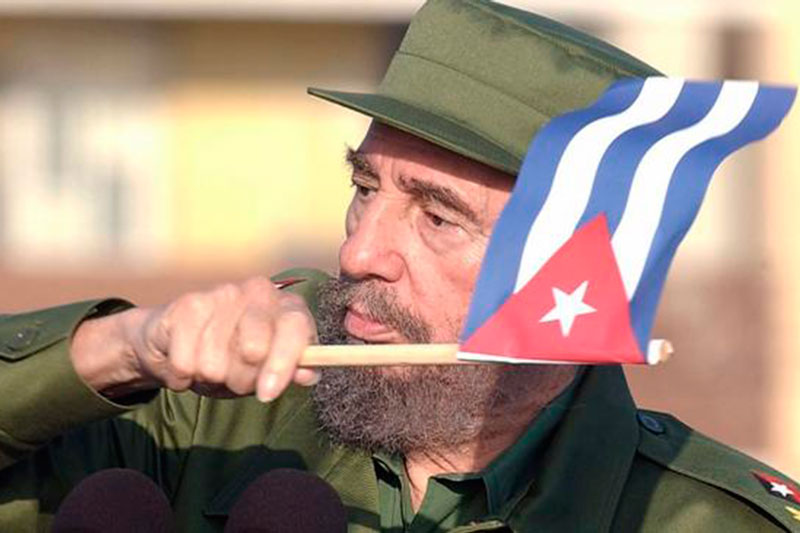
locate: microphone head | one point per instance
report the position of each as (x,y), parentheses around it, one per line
(117,499)
(287,500)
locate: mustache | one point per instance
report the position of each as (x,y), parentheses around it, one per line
(376,302)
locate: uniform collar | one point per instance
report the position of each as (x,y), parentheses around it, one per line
(512,471)
(581,472)
(580,467)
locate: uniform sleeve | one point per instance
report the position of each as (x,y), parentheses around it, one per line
(56,430)
(42,394)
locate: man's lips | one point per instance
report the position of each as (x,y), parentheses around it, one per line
(361,327)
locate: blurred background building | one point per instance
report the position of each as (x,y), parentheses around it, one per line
(150,147)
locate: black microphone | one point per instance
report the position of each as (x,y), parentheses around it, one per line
(117,499)
(288,501)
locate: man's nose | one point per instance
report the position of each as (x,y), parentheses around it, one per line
(371,248)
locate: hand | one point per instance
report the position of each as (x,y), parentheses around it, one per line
(233,340)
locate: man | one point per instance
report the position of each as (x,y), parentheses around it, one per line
(470,448)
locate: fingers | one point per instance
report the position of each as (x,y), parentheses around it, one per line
(250,346)
(233,340)
(294,331)
(214,356)
(179,364)
(306,377)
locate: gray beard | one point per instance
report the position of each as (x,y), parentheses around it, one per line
(410,409)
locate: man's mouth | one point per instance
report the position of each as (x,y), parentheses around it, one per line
(364,329)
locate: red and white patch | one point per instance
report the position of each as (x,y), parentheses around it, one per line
(781,488)
(288,282)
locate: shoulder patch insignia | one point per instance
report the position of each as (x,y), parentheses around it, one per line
(287,282)
(780,488)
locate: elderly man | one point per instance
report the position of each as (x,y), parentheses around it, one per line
(469,448)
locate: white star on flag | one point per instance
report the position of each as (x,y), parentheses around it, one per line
(568,307)
(781,489)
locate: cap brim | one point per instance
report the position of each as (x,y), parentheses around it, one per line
(426,125)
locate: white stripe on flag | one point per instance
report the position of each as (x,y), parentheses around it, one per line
(637,227)
(489,358)
(653,357)
(574,177)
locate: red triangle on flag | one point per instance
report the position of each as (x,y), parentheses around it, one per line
(573,310)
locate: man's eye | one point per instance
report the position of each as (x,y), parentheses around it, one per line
(437,221)
(362,190)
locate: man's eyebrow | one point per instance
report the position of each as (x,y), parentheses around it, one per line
(358,161)
(444,196)
(422,190)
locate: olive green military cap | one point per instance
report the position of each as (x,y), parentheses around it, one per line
(480,78)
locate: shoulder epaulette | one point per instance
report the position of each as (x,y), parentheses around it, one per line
(670,443)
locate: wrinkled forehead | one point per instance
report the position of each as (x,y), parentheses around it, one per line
(384,143)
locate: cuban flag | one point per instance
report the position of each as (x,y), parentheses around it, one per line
(577,260)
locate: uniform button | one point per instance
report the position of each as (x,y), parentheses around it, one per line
(651,424)
(22,339)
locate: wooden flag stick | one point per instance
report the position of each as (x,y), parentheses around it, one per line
(381,354)
(415,354)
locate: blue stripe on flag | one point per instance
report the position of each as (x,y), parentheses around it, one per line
(616,170)
(501,261)
(687,188)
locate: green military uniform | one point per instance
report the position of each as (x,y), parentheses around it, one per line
(590,462)
(479,79)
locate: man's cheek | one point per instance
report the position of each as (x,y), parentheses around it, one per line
(445,327)
(472,257)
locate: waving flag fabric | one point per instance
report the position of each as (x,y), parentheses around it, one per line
(577,260)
